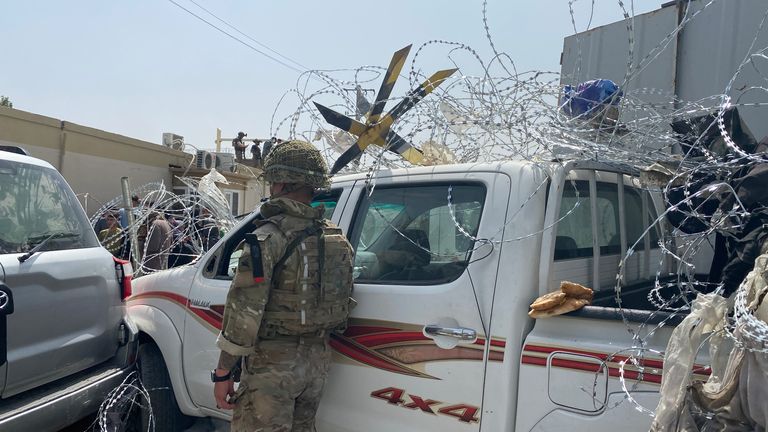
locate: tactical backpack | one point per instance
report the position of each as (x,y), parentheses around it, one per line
(317,299)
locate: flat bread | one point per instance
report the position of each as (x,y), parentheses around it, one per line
(572,289)
(569,305)
(548,301)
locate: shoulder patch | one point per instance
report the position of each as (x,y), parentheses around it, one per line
(256,259)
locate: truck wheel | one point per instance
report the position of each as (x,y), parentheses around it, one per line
(154,375)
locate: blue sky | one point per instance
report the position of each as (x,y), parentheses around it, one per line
(143,67)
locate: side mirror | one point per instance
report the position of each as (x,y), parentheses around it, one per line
(6,300)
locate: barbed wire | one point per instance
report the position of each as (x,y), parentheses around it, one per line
(171,229)
(502,114)
(505,114)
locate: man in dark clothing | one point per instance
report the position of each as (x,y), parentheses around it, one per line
(239,145)
(268,147)
(739,239)
(207,229)
(256,153)
(159,242)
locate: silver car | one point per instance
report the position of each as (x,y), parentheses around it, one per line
(64,339)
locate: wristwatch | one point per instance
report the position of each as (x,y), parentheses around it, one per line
(215,378)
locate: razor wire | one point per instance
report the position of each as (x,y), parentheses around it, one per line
(501,113)
(506,114)
(171,229)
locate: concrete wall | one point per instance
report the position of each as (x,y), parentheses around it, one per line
(92,160)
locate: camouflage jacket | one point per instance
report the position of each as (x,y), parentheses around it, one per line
(246,299)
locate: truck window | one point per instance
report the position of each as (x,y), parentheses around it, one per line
(573,255)
(608,235)
(35,203)
(574,229)
(636,225)
(412,236)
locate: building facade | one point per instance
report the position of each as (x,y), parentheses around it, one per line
(93,161)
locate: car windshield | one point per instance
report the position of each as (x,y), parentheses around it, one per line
(35,204)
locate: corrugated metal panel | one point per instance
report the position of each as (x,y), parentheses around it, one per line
(712,47)
(603,52)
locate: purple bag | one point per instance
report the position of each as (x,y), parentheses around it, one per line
(590,96)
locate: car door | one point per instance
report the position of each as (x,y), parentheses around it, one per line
(66,297)
(579,369)
(414,354)
(208,296)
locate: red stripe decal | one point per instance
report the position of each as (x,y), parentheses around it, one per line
(538,361)
(359,330)
(209,317)
(591,367)
(375,340)
(368,357)
(612,371)
(206,315)
(658,364)
(379,339)
(494,342)
(180,299)
(387,348)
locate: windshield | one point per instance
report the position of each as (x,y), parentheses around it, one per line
(35,204)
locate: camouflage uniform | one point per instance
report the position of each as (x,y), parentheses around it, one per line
(280,323)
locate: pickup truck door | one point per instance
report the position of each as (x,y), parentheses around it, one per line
(414,355)
(571,365)
(208,296)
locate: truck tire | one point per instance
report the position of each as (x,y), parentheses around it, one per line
(154,376)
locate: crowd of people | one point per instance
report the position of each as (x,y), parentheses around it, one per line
(165,238)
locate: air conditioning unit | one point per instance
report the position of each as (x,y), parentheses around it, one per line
(205,160)
(173,141)
(225,162)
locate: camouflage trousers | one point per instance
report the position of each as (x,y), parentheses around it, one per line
(281,385)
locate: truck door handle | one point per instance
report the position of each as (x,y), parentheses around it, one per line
(461,333)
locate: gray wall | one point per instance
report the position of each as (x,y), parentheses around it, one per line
(696,63)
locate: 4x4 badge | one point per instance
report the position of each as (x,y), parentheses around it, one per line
(395,396)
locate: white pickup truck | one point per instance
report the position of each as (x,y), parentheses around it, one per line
(441,339)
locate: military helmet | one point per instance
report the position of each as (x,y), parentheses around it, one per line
(296,162)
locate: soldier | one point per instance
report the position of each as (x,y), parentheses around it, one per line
(239,145)
(291,289)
